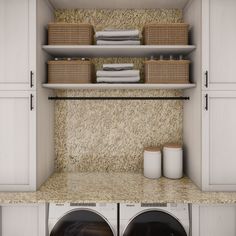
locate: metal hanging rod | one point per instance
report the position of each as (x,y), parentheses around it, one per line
(118,98)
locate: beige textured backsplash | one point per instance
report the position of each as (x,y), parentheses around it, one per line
(110,135)
(119,19)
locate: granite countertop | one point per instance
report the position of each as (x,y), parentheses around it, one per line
(117,187)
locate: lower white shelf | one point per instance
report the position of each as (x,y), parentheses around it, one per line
(119,86)
(117,50)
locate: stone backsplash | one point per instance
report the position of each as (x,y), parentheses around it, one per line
(110,135)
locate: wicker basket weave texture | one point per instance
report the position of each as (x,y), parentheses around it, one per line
(166,34)
(70,34)
(167,71)
(71,72)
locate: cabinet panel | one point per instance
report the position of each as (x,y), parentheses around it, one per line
(23,220)
(219,135)
(219,48)
(16,44)
(17,140)
(213,220)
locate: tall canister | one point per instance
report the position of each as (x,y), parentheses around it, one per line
(173,161)
(152,163)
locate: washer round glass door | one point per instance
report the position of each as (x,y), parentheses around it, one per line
(154,222)
(82,223)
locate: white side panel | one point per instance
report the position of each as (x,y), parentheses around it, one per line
(32,44)
(205,44)
(15,44)
(17,141)
(0,221)
(43,219)
(45,108)
(195,220)
(217,220)
(219,42)
(219,135)
(23,220)
(192,108)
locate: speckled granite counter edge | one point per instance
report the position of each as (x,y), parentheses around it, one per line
(116,188)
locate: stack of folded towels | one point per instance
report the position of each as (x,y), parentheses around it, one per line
(117,37)
(118,73)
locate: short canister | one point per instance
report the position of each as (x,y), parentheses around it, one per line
(152,162)
(173,161)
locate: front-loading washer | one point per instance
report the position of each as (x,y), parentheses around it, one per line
(154,219)
(80,219)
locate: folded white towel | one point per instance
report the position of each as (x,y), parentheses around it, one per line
(122,73)
(118,79)
(124,42)
(118,67)
(115,29)
(118,38)
(114,33)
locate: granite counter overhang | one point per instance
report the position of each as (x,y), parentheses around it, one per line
(116,187)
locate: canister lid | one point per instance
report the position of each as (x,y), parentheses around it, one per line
(152,149)
(172,145)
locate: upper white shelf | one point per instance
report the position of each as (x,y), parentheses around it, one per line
(118,4)
(119,86)
(117,51)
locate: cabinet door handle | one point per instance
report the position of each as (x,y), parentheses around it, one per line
(31,79)
(206,104)
(31,102)
(206,79)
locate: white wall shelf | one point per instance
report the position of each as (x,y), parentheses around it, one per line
(119,86)
(118,4)
(117,51)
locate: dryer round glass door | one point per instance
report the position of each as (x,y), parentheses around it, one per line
(156,223)
(82,223)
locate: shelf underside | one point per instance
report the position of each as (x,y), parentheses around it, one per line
(118,4)
(117,51)
(119,86)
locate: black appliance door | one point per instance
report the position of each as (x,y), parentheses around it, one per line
(154,223)
(82,223)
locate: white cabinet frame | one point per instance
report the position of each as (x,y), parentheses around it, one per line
(210,163)
(229,48)
(29,82)
(31,185)
(219,218)
(37,224)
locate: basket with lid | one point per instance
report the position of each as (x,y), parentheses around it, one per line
(167,71)
(71,71)
(70,34)
(166,34)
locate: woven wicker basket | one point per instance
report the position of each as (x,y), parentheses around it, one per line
(167,71)
(70,34)
(71,72)
(166,34)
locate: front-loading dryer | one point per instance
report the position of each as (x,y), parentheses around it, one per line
(75,219)
(154,219)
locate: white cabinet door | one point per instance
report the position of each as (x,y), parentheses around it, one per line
(17,44)
(219,44)
(23,220)
(214,220)
(17,141)
(219,140)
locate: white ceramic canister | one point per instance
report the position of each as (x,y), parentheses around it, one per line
(173,161)
(152,162)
